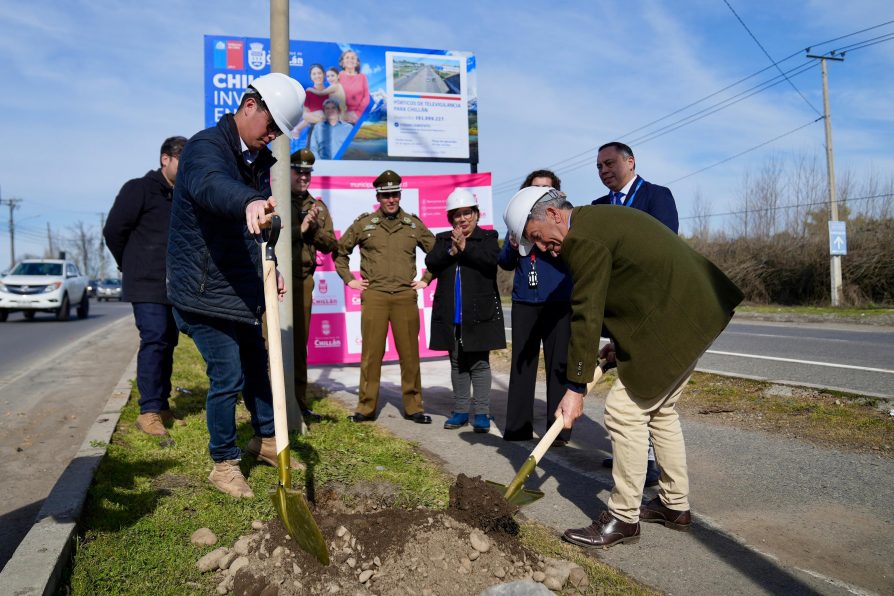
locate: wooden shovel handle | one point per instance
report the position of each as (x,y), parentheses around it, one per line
(274,343)
(559,424)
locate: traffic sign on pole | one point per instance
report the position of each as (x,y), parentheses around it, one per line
(837,238)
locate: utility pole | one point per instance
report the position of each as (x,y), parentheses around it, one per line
(102,246)
(50,253)
(835,263)
(280,182)
(13,205)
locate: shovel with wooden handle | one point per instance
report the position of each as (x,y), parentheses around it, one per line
(515,492)
(289,503)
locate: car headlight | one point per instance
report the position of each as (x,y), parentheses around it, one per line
(52,287)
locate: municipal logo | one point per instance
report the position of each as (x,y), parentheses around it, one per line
(257,57)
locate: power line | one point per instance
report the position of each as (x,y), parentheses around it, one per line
(791,206)
(512,183)
(732,157)
(767,54)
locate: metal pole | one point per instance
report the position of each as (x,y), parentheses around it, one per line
(835,260)
(280,182)
(13,205)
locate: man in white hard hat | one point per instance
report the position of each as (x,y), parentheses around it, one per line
(221,202)
(663,304)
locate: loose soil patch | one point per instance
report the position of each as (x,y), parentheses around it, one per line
(374,549)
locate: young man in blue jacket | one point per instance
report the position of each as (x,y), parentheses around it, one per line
(221,201)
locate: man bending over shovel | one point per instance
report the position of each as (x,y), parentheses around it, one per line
(221,201)
(664,304)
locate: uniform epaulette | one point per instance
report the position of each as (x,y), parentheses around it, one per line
(361,216)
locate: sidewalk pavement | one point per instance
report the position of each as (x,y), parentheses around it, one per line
(771,515)
(37,564)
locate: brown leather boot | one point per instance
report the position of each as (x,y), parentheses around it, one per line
(655,512)
(151,423)
(228,478)
(264,449)
(604,532)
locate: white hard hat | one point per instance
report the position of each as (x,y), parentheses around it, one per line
(284,97)
(518,210)
(460,197)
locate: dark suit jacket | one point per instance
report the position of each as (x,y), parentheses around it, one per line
(655,200)
(662,302)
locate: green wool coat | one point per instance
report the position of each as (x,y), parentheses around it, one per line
(661,302)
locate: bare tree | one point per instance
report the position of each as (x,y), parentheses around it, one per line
(701,217)
(82,242)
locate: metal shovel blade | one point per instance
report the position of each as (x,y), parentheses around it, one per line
(295,514)
(515,493)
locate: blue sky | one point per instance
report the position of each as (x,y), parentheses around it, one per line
(92,88)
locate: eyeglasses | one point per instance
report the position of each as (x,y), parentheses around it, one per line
(272,127)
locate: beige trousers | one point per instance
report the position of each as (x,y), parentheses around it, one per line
(629,421)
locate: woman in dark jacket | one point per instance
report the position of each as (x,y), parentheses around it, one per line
(467,317)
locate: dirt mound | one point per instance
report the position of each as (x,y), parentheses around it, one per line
(380,550)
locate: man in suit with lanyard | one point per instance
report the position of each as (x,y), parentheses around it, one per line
(617,170)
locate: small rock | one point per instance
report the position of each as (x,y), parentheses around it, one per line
(552,583)
(499,573)
(278,551)
(203,536)
(267,536)
(211,560)
(473,555)
(236,565)
(437,555)
(578,578)
(427,592)
(296,570)
(341,531)
(242,546)
(353,542)
(334,588)
(465,565)
(480,542)
(364,576)
(377,562)
(222,587)
(226,560)
(430,521)
(539,576)
(352,562)
(517,588)
(298,585)
(366,565)
(257,525)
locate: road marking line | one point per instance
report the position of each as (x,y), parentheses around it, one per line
(796,337)
(796,361)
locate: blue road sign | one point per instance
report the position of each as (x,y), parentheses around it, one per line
(837,238)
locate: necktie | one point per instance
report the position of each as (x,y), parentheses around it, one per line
(618,198)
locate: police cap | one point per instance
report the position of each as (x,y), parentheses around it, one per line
(302,160)
(388,181)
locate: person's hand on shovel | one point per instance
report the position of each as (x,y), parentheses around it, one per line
(280,286)
(258,213)
(571,407)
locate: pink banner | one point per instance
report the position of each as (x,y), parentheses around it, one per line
(335,319)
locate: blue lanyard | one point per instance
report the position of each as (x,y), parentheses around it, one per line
(632,197)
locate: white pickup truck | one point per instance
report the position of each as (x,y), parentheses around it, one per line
(48,285)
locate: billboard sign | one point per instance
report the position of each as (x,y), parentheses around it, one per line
(335,336)
(394,103)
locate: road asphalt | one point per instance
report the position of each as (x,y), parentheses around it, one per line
(772,515)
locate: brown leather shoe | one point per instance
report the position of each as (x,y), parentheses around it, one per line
(228,478)
(607,531)
(264,449)
(151,423)
(655,512)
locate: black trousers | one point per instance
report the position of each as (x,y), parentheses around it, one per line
(533,324)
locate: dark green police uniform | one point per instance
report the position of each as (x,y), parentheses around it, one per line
(319,237)
(388,263)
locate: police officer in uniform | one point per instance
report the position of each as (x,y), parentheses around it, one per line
(311,232)
(388,238)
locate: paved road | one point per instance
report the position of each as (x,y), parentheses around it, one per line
(55,377)
(424,80)
(773,516)
(851,358)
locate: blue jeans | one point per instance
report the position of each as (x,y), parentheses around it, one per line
(236,360)
(155,360)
